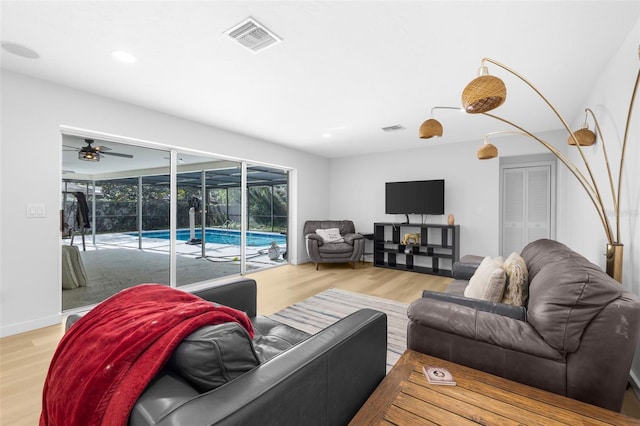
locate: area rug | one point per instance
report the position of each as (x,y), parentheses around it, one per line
(320,311)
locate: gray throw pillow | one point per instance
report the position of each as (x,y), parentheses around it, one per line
(214,355)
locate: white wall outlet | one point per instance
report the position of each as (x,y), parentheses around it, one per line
(36,210)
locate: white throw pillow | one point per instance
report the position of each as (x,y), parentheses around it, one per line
(517,288)
(487,283)
(330,235)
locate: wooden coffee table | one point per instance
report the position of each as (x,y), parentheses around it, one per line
(405,397)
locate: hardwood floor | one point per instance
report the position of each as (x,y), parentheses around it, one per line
(283,286)
(25,358)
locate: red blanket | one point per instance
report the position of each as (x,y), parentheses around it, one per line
(107,358)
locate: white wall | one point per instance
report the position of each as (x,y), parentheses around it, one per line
(471,187)
(610,100)
(30,157)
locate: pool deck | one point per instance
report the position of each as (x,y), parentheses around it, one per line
(256,256)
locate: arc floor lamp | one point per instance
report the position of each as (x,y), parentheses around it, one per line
(487,92)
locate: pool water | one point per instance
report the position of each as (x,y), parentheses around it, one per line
(221,236)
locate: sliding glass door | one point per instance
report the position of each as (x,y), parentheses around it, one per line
(267,214)
(207,243)
(202,219)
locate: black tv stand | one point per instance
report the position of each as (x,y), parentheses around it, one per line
(437,243)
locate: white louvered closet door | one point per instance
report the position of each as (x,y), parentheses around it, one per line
(526,206)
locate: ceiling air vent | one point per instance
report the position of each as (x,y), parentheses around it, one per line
(393,128)
(253,35)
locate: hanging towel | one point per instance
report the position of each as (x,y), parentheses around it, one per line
(83,211)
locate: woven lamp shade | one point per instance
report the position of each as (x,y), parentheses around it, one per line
(487,151)
(430,128)
(483,94)
(585,137)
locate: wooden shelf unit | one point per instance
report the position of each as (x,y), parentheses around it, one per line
(437,242)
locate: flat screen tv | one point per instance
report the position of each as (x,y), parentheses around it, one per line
(415,197)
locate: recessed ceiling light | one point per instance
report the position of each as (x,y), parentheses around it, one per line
(123,56)
(327,135)
(19,50)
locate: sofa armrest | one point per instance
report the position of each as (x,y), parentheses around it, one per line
(350,238)
(315,237)
(322,380)
(238,294)
(466,267)
(511,311)
(471,323)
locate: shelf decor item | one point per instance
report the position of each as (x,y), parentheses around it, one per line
(487,92)
(411,239)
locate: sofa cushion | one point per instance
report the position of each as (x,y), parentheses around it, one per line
(330,235)
(214,355)
(564,296)
(272,337)
(488,282)
(540,253)
(516,291)
(335,250)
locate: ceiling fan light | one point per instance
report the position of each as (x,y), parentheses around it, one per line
(483,94)
(430,128)
(584,136)
(487,151)
(88,156)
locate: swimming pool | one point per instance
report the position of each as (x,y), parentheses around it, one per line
(221,236)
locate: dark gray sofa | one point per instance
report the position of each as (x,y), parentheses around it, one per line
(320,379)
(576,336)
(349,250)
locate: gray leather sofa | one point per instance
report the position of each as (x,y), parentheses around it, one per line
(576,336)
(320,379)
(349,250)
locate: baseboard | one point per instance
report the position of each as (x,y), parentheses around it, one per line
(23,327)
(635,383)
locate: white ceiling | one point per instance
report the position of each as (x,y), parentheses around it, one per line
(347,68)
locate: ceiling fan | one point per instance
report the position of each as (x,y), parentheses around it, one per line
(93,153)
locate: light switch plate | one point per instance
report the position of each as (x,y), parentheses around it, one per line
(36,210)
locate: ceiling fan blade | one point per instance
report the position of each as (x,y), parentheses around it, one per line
(117,154)
(102,148)
(71,147)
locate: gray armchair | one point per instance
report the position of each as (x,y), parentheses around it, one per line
(348,248)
